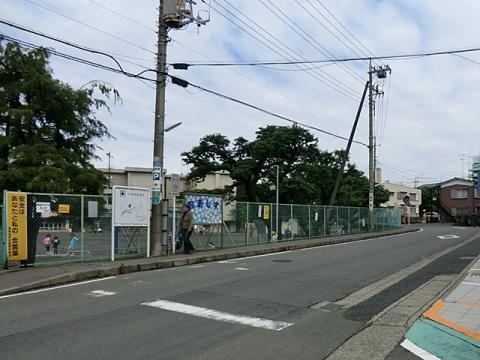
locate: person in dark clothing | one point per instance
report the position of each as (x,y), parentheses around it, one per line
(186,229)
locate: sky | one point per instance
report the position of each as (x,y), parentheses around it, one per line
(425,123)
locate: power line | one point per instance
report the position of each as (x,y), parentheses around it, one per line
(348,93)
(177,81)
(90,26)
(410,56)
(370,53)
(315,44)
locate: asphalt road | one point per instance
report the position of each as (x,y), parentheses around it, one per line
(250,308)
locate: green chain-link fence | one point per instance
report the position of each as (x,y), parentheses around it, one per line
(255,223)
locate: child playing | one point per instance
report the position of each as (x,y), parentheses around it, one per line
(47,241)
(56,244)
(73,242)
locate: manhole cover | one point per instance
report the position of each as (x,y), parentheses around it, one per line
(282,260)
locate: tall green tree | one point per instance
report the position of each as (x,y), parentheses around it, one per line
(307,174)
(47,129)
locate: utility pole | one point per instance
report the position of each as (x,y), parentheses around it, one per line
(371,169)
(109,154)
(347,150)
(381,73)
(157,236)
(173,14)
(277,202)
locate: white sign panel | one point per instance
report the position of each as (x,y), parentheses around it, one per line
(43,207)
(175,188)
(131,206)
(93,209)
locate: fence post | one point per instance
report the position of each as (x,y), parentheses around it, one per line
(338,226)
(271,222)
(348,221)
(246,225)
(82,224)
(324,222)
(309,222)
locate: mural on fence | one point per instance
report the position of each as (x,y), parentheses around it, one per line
(206,209)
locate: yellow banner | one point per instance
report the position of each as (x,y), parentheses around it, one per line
(266,212)
(63,208)
(17,226)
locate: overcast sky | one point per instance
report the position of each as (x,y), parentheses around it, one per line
(427,118)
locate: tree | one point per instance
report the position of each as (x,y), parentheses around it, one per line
(47,129)
(307,174)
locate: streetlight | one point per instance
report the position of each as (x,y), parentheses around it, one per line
(171,127)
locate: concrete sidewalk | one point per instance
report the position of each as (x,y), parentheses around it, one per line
(450,328)
(19,280)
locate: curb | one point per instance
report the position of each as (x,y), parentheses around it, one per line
(164,263)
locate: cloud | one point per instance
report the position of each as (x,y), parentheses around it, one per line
(432,113)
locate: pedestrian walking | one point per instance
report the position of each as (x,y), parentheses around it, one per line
(47,242)
(186,229)
(56,244)
(73,242)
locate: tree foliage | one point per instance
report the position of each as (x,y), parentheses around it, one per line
(307,174)
(47,129)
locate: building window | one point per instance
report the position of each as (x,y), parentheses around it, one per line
(392,195)
(477,196)
(413,197)
(459,193)
(401,195)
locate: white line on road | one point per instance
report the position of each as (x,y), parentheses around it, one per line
(227,262)
(195,266)
(359,241)
(423,354)
(241,269)
(56,287)
(101,293)
(446,237)
(219,315)
(469,283)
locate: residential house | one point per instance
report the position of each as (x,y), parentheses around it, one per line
(458,197)
(397,199)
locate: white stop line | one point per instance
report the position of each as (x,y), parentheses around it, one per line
(446,237)
(219,315)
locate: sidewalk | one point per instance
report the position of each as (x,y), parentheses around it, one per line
(19,280)
(450,328)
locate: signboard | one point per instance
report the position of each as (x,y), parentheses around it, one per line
(175,185)
(93,209)
(42,207)
(16,226)
(266,212)
(206,209)
(157,178)
(131,206)
(63,208)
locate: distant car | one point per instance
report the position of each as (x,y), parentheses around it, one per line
(431,217)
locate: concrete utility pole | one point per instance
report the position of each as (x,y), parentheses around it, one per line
(347,150)
(157,231)
(173,14)
(371,166)
(381,73)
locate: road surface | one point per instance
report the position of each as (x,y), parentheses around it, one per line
(263,307)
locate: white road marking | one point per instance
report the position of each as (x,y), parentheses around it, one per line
(101,293)
(219,315)
(265,255)
(359,241)
(446,237)
(56,287)
(195,266)
(241,269)
(140,282)
(423,354)
(227,262)
(469,283)
(459,227)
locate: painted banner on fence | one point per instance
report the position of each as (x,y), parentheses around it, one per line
(206,209)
